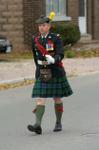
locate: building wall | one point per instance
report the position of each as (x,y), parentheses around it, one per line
(89,17)
(73,10)
(93,18)
(96,20)
(17,19)
(32,9)
(11,21)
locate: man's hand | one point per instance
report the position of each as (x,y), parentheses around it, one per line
(50,59)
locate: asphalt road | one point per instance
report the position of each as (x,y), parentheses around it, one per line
(80,119)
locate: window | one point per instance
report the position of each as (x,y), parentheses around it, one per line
(58,6)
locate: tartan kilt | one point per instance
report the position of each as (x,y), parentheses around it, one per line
(55,88)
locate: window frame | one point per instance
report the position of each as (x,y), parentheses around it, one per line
(60,17)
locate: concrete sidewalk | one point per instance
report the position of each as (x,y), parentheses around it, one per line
(11,72)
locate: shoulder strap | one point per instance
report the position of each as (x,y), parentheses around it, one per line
(40,47)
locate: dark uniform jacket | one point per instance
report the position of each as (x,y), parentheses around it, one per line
(53,44)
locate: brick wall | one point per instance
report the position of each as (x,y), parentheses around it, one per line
(17,19)
(73,10)
(32,9)
(11,21)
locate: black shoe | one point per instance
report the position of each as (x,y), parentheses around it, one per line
(35,128)
(58,127)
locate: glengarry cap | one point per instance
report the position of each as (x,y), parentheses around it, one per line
(43,19)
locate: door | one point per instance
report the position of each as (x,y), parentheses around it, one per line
(82,16)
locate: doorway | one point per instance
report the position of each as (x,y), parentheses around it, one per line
(82,16)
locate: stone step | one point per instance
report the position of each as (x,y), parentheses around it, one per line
(85,38)
(86,43)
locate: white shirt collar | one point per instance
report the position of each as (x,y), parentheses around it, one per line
(44,36)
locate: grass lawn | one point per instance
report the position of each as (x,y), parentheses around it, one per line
(18,56)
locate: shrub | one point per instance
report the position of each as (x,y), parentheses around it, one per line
(70,33)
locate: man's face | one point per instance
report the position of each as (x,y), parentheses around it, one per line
(44,28)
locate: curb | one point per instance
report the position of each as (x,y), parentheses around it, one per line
(15,83)
(16,80)
(29,80)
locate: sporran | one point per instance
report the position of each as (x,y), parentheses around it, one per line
(45,75)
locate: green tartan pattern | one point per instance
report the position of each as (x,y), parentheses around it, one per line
(57,87)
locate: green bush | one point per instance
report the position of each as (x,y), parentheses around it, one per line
(70,33)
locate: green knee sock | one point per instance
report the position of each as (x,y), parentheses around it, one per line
(58,112)
(40,109)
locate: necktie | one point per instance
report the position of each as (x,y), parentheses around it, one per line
(44,40)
